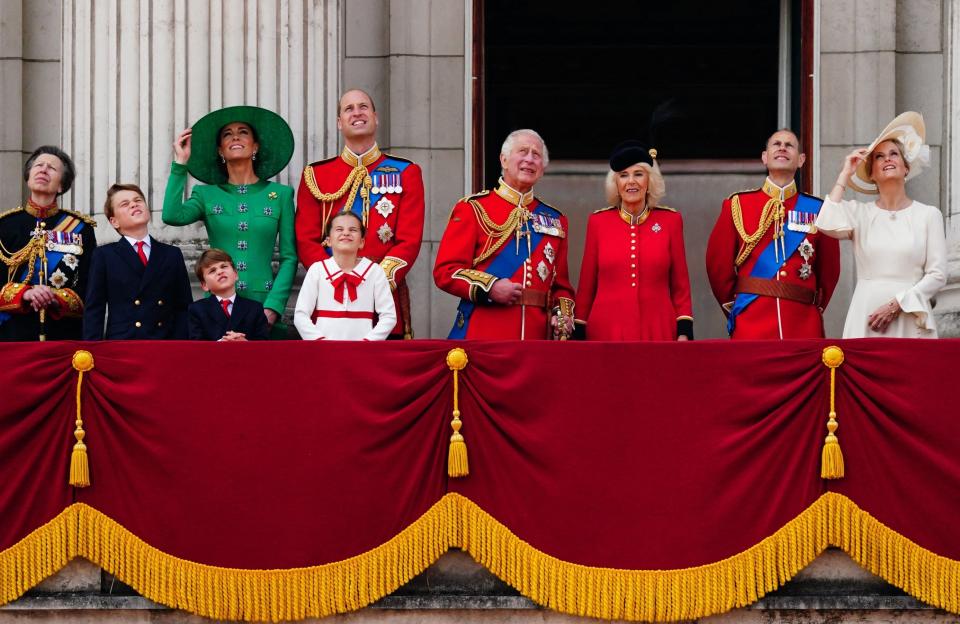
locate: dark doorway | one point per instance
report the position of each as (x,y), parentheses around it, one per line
(589,75)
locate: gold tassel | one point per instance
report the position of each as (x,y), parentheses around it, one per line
(457,463)
(79,466)
(831,458)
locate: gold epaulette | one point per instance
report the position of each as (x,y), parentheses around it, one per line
(665,208)
(11,211)
(604,209)
(85,218)
(467,198)
(749,190)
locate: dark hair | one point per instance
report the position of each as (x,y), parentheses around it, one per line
(116,188)
(256,139)
(69,171)
(209,258)
(363,228)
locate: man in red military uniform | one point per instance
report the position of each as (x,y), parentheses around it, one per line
(384,191)
(769,268)
(504,254)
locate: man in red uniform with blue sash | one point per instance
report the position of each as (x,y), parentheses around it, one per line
(504,254)
(769,268)
(384,191)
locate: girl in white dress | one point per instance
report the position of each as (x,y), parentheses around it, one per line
(342,296)
(899,243)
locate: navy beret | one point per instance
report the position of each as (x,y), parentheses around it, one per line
(630,153)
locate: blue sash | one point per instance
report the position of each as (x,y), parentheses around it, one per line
(399,165)
(767,265)
(53,259)
(505,263)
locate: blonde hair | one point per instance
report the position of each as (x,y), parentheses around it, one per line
(656,187)
(900,147)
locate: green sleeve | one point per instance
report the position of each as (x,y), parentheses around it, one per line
(175,210)
(277,298)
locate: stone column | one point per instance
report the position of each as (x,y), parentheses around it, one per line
(136,73)
(409,54)
(948,302)
(30,97)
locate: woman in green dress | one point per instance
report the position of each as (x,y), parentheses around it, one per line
(235,151)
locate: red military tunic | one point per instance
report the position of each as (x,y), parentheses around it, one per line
(633,281)
(483,226)
(394,222)
(771,317)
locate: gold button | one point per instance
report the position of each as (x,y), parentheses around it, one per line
(160,302)
(137,324)
(136,302)
(783,273)
(159,323)
(527,260)
(529,283)
(632,247)
(634,275)
(633,255)
(633,266)
(634,285)
(633,227)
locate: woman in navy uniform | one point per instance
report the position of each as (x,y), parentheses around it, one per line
(46,251)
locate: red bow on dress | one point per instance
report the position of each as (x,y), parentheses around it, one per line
(348,280)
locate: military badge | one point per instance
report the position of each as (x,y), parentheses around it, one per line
(543,224)
(798,221)
(385,207)
(58,279)
(656,228)
(71,261)
(543,271)
(384,233)
(65,242)
(549,252)
(806,252)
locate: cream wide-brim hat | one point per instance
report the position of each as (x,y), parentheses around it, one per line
(909,129)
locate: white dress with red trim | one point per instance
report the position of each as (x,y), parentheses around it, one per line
(351,305)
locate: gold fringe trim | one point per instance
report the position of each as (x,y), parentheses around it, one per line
(455,521)
(38,555)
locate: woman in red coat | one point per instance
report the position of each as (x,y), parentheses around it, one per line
(633,281)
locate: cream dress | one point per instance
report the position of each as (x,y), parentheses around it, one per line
(900,255)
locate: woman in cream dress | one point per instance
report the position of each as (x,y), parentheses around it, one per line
(899,243)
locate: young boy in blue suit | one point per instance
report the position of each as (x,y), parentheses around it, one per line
(138,288)
(224,316)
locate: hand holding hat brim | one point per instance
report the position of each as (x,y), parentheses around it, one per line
(909,129)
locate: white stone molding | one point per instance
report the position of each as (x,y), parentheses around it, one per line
(948,301)
(136,72)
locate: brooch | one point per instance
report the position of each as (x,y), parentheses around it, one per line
(385,207)
(549,252)
(656,228)
(385,233)
(272,195)
(543,271)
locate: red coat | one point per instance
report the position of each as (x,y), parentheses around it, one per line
(633,282)
(392,240)
(770,317)
(461,269)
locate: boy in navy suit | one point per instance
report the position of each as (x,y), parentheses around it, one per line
(138,285)
(224,316)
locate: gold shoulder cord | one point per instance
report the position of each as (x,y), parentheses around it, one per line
(358,179)
(29,253)
(498,232)
(772,212)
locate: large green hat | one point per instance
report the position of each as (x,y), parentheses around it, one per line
(273,135)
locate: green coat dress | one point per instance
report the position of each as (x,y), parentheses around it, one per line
(244,221)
